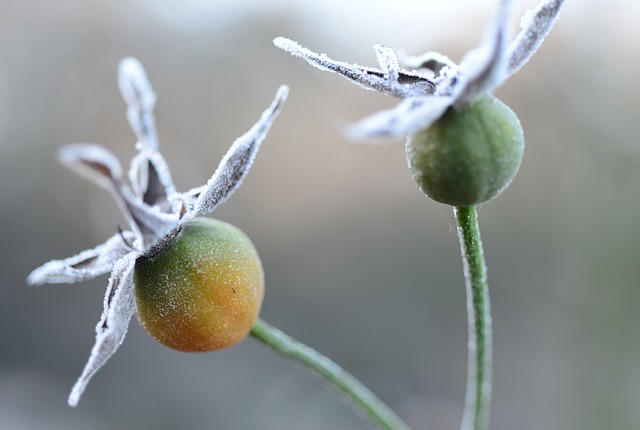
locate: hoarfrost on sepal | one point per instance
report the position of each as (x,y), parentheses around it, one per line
(388,62)
(535,24)
(402,83)
(484,68)
(119,307)
(408,116)
(92,162)
(86,265)
(137,92)
(434,78)
(149,175)
(432,61)
(235,164)
(151,179)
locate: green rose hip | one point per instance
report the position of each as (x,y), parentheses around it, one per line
(469,155)
(202,289)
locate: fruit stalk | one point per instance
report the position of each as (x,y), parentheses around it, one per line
(478,395)
(351,390)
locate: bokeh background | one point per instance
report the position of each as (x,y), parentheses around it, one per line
(358,263)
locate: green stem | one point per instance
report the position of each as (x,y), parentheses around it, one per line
(359,396)
(478,396)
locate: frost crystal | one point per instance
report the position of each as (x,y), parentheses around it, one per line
(152,206)
(433,83)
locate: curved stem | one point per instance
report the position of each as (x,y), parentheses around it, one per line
(478,396)
(352,390)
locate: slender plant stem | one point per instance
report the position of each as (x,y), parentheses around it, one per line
(352,390)
(478,396)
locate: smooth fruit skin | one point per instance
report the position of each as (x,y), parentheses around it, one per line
(469,155)
(202,290)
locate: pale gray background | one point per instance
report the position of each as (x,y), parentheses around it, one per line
(358,263)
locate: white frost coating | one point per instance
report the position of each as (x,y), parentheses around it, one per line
(535,24)
(134,84)
(388,62)
(85,265)
(119,306)
(236,163)
(435,82)
(408,116)
(137,93)
(358,74)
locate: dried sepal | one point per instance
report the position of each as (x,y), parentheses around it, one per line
(101,167)
(408,116)
(119,307)
(137,92)
(85,265)
(235,164)
(151,179)
(484,68)
(402,83)
(432,61)
(92,162)
(535,24)
(149,175)
(155,190)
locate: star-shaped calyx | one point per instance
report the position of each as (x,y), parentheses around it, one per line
(430,84)
(463,145)
(155,211)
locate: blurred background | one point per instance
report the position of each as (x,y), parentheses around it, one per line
(358,263)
